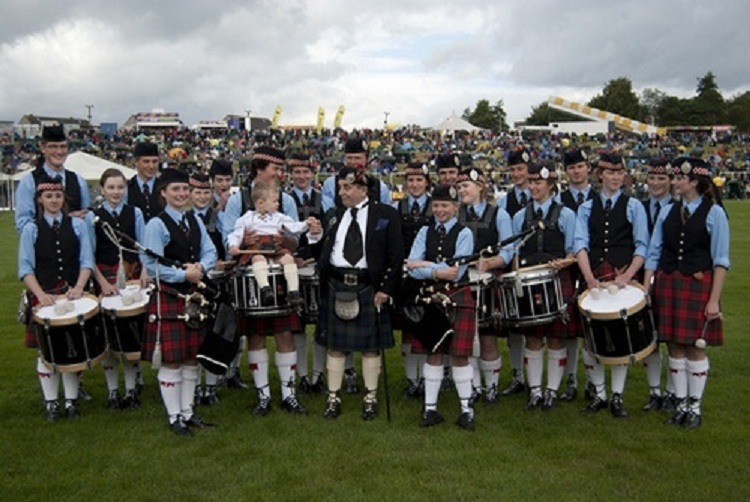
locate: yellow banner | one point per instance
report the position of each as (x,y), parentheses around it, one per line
(321,117)
(275,119)
(339,117)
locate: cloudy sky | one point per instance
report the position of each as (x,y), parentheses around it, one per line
(418,60)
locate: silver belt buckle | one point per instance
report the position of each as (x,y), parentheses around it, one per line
(350,279)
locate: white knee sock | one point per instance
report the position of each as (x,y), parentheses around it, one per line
(476,373)
(678,370)
(335,367)
(286,363)
(516,350)
(556,366)
(462,377)
(491,371)
(300,346)
(697,372)
(410,362)
(49,380)
(260,272)
(653,372)
(187,393)
(292,279)
(371,375)
(534,367)
(71,383)
(170,386)
(259,368)
(596,374)
(319,359)
(109,365)
(588,365)
(619,373)
(571,355)
(433,376)
(130,374)
(211,379)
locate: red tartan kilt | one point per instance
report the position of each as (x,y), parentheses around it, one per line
(269,326)
(461,342)
(30,340)
(680,302)
(110,273)
(607,272)
(178,342)
(571,329)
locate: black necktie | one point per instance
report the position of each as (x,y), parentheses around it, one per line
(184,225)
(305,199)
(441,231)
(114,214)
(524,199)
(56,227)
(473,216)
(415,209)
(146,191)
(539,215)
(608,207)
(579,199)
(656,211)
(685,214)
(353,242)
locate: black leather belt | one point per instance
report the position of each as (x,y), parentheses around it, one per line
(351,276)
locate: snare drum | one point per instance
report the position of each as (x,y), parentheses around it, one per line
(246,293)
(618,328)
(125,320)
(72,341)
(531,297)
(309,285)
(483,291)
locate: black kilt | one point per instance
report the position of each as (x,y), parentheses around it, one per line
(360,334)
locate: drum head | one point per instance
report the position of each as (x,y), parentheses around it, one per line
(117,304)
(87,306)
(604,305)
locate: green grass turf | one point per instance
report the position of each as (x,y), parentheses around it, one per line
(512,455)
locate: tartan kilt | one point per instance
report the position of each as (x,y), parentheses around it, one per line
(360,334)
(679,306)
(571,329)
(461,343)
(30,341)
(178,342)
(110,273)
(270,326)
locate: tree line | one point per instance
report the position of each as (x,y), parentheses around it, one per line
(706,108)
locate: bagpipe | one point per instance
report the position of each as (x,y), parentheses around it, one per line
(431,307)
(208,304)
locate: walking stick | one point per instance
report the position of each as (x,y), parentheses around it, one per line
(385,367)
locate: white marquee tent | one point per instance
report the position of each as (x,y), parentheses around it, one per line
(456,123)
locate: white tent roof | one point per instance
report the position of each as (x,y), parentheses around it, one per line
(88,166)
(456,123)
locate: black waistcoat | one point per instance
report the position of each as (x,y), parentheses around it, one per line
(568,201)
(106,251)
(513,205)
(544,245)
(150,206)
(57,258)
(610,237)
(485,230)
(410,225)
(686,247)
(182,248)
(72,188)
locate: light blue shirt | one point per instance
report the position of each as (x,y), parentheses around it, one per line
(574,192)
(566,223)
(421,201)
(717,226)
(503,203)
(156,237)
(27,241)
(329,193)
(464,247)
(635,214)
(233,209)
(665,202)
(26,195)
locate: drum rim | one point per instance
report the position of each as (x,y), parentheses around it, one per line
(609,316)
(625,360)
(247,270)
(128,310)
(68,321)
(75,367)
(530,275)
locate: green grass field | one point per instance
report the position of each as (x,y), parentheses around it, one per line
(512,455)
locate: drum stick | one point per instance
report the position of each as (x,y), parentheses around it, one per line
(257,251)
(564,262)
